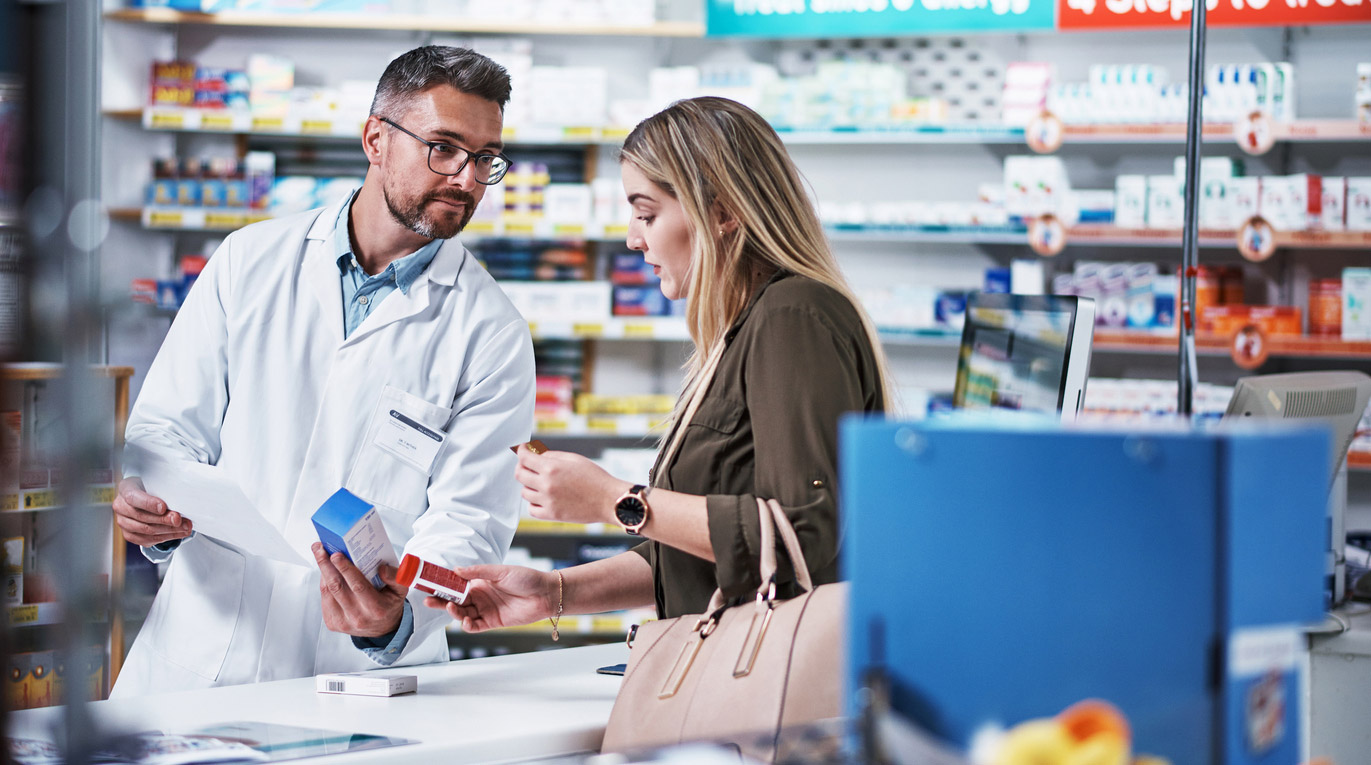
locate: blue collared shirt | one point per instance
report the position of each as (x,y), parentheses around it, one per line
(362,292)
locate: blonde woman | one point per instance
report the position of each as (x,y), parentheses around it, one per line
(783,348)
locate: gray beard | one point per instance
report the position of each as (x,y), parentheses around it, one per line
(415,221)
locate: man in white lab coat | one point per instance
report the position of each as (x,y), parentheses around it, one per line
(308,346)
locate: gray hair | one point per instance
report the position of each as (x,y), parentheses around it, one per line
(433,65)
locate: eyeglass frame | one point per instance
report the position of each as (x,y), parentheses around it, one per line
(470,155)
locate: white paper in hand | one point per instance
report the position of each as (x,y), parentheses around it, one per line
(211,499)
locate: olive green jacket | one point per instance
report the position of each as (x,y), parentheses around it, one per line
(796,360)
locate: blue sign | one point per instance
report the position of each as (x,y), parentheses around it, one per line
(873,18)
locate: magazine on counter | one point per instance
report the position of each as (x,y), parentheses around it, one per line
(230,742)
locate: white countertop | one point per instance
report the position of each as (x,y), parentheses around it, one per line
(501,708)
(1349,633)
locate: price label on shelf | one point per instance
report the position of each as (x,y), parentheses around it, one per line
(509,134)
(9,502)
(605,425)
(533,328)
(24,614)
(569,229)
(578,133)
(102,495)
(164,218)
(586,329)
(162,119)
(643,330)
(615,133)
(316,127)
(224,220)
(268,124)
(519,228)
(213,121)
(615,230)
(481,227)
(39,499)
(258,217)
(554,425)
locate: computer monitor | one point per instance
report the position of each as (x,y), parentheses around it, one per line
(1025,352)
(1337,398)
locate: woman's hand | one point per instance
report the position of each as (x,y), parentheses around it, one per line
(567,487)
(502,596)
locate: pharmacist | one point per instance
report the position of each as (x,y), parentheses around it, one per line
(296,346)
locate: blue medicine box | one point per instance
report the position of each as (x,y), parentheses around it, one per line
(350,525)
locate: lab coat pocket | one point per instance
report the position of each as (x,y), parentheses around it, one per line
(192,623)
(402,444)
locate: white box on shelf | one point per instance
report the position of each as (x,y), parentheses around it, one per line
(560,301)
(1356,304)
(1130,201)
(1333,216)
(1165,203)
(1244,199)
(568,203)
(1358,213)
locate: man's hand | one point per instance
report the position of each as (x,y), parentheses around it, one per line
(145,519)
(351,604)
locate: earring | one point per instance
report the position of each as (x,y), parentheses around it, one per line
(721,232)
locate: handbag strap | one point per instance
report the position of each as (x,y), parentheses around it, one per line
(697,394)
(772,516)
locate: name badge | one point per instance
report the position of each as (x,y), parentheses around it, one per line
(415,444)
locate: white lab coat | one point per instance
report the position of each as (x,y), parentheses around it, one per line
(255,377)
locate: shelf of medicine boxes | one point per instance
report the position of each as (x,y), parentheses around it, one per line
(402,22)
(229,219)
(240,122)
(1284,346)
(225,219)
(1091,234)
(177,119)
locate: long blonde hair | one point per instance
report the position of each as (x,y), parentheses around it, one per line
(723,162)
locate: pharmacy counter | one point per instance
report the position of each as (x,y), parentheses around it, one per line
(1340,688)
(480,710)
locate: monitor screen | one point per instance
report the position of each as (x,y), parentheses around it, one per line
(1025,352)
(1337,398)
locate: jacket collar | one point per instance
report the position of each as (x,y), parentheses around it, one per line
(444,269)
(747,311)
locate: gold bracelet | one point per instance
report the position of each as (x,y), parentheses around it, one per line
(558,616)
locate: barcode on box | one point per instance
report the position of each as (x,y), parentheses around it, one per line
(336,686)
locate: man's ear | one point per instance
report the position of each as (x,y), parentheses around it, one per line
(372,138)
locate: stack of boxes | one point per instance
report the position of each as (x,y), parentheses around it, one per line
(1126,295)
(637,290)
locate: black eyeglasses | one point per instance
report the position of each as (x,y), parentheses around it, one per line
(446,159)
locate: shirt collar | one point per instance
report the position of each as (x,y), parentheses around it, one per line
(404,270)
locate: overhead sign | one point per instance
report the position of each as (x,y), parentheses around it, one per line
(872,18)
(1115,14)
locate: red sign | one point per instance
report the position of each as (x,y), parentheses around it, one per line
(1116,14)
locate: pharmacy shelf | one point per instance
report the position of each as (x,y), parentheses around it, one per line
(1298,131)
(616,328)
(224,219)
(401,22)
(925,336)
(599,425)
(176,119)
(902,135)
(33,500)
(192,120)
(1284,346)
(1094,234)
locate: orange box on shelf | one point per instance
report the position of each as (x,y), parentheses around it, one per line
(1224,319)
(1278,319)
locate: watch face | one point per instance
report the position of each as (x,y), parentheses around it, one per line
(630,511)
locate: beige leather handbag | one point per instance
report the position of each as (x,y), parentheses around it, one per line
(737,674)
